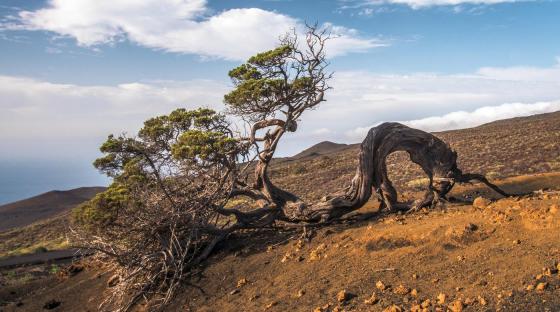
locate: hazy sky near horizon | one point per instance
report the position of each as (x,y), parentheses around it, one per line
(74,71)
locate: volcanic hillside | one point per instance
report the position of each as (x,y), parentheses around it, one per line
(500,149)
(497,254)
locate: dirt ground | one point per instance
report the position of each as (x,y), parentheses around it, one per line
(501,255)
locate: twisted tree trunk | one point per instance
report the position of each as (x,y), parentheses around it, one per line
(435,157)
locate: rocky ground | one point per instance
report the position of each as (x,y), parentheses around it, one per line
(494,255)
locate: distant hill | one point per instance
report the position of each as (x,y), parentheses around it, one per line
(322,148)
(27,211)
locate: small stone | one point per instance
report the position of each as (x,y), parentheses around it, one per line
(542,286)
(481,202)
(372,300)
(401,290)
(241,282)
(415,276)
(270,305)
(530,287)
(393,308)
(324,308)
(441,298)
(469,301)
(516,242)
(456,306)
(416,308)
(435,280)
(482,301)
(426,303)
(539,276)
(380,285)
(414,293)
(300,293)
(553,209)
(233,292)
(550,271)
(342,296)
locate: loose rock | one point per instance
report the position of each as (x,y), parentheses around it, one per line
(393,308)
(241,282)
(372,300)
(342,296)
(482,301)
(401,290)
(481,202)
(426,303)
(542,286)
(441,298)
(380,285)
(456,306)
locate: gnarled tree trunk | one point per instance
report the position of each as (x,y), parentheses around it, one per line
(434,156)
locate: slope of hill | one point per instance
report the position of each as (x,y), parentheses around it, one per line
(500,149)
(498,257)
(50,204)
(322,148)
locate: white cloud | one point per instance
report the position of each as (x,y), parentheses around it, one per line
(417,4)
(38,117)
(182,26)
(464,119)
(361,100)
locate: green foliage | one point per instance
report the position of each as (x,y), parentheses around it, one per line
(264,84)
(272,57)
(284,79)
(205,145)
(103,209)
(184,142)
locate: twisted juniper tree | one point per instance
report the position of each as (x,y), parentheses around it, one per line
(182,183)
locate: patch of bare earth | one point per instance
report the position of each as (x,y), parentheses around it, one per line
(500,255)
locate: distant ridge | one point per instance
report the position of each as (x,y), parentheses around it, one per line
(46,205)
(322,148)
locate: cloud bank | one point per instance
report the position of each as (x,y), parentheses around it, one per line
(43,118)
(181,26)
(464,119)
(49,120)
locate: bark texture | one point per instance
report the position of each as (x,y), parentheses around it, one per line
(435,157)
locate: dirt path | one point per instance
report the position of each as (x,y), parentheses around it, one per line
(38,258)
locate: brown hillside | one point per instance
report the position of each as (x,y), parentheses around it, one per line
(319,149)
(50,204)
(499,149)
(502,256)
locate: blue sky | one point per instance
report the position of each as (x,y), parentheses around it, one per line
(73,71)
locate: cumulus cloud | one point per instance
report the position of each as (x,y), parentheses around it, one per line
(464,119)
(182,26)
